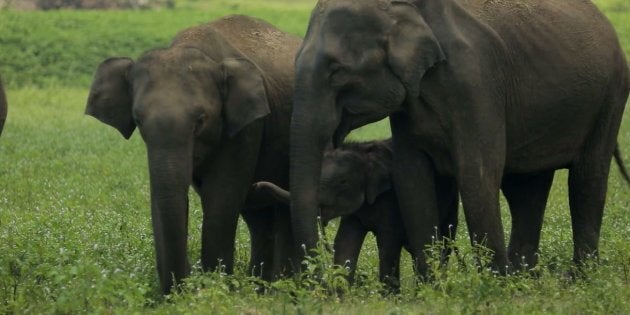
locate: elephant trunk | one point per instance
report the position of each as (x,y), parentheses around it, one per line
(170,176)
(313,123)
(275,191)
(3,107)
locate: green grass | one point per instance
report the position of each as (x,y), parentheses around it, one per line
(75,232)
(64,47)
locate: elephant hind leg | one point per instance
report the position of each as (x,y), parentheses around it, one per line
(587,196)
(588,177)
(588,183)
(527,197)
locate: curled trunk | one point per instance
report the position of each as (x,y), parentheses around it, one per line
(275,191)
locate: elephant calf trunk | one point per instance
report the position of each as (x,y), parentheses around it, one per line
(274,190)
(284,196)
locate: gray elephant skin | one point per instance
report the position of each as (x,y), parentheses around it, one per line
(213,109)
(3,107)
(356,185)
(493,94)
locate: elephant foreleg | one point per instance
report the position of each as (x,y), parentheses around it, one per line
(479,157)
(260,223)
(223,189)
(285,258)
(220,217)
(448,204)
(480,198)
(348,242)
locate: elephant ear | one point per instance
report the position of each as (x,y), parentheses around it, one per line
(244,99)
(110,97)
(412,46)
(379,173)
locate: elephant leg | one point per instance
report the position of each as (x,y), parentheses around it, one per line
(260,223)
(223,190)
(588,180)
(448,204)
(218,233)
(348,242)
(479,180)
(284,243)
(414,181)
(588,176)
(389,260)
(527,197)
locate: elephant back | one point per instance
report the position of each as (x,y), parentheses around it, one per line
(270,48)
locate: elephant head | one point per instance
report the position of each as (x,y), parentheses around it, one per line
(184,104)
(352,176)
(360,62)
(3,107)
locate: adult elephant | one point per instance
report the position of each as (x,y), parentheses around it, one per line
(491,93)
(213,110)
(3,106)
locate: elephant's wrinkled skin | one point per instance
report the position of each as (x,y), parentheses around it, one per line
(490,93)
(356,184)
(213,110)
(3,107)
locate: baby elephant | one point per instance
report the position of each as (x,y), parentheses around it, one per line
(356,184)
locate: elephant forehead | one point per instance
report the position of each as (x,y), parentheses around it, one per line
(354,19)
(340,163)
(350,33)
(323,5)
(174,59)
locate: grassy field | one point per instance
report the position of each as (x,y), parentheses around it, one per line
(75,231)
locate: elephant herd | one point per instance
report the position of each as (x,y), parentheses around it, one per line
(482,97)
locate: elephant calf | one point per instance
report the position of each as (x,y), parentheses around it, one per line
(213,109)
(356,184)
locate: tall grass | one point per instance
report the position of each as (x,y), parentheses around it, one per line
(75,233)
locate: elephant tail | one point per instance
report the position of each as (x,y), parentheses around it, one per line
(622,167)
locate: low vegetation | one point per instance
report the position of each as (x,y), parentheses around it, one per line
(75,233)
